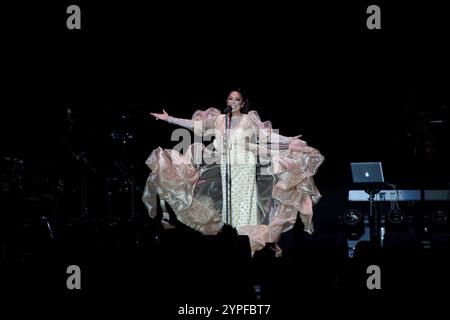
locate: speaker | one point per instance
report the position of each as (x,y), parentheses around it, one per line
(436,217)
(404,218)
(355,220)
(436,211)
(398,211)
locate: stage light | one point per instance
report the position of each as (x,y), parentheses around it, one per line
(353,223)
(398,220)
(436,211)
(352,217)
(396,216)
(439,217)
(437,220)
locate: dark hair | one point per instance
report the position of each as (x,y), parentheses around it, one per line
(246,106)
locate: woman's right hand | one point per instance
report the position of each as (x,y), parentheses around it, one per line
(163,116)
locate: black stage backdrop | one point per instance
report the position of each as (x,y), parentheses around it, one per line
(311,68)
(315,70)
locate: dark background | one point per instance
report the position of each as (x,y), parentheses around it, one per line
(311,68)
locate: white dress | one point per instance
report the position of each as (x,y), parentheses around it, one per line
(261,208)
(243,177)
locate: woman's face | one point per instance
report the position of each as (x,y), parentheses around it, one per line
(235,100)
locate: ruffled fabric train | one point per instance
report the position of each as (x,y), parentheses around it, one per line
(194,191)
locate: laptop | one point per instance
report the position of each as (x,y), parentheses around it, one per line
(367,172)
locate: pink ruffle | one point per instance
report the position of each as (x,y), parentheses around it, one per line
(174,178)
(295,190)
(206,119)
(174,175)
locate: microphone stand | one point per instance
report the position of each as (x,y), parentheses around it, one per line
(227,170)
(81,158)
(130,180)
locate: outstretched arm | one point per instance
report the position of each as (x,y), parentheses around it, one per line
(266,133)
(272,137)
(279,139)
(186,123)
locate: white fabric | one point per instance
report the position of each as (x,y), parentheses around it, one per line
(185,123)
(243,181)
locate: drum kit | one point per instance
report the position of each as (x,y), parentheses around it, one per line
(25,179)
(28,192)
(117,174)
(38,191)
(121,186)
(11,176)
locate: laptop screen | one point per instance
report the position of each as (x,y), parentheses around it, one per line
(367,172)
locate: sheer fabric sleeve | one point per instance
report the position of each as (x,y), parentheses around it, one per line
(266,134)
(201,121)
(185,123)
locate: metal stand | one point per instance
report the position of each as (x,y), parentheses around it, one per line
(374,218)
(133,213)
(227,170)
(81,157)
(84,207)
(126,168)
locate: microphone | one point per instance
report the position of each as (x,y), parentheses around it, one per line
(228,109)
